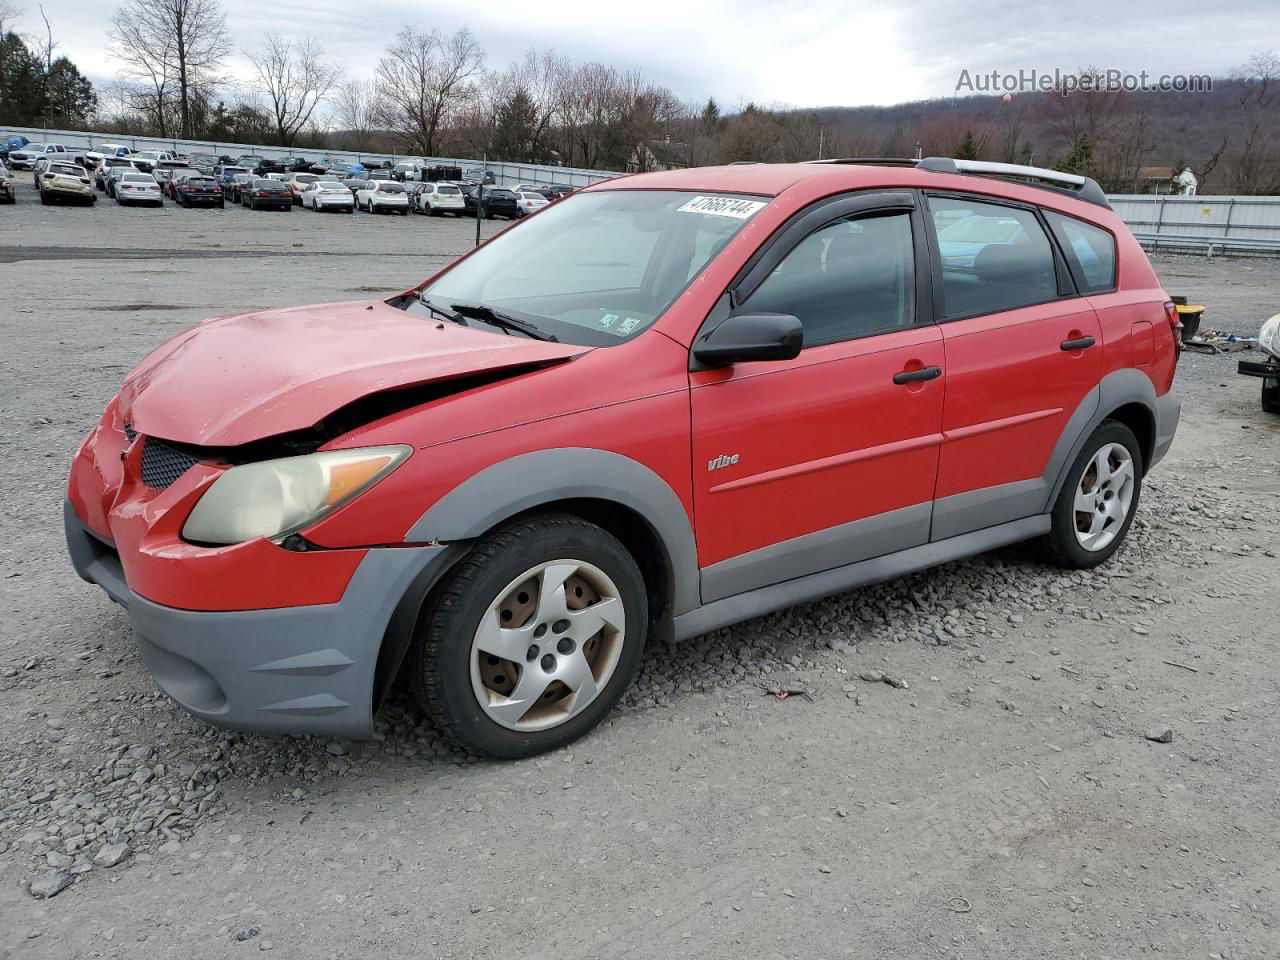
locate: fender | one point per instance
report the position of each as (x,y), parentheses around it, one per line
(1117,389)
(534,479)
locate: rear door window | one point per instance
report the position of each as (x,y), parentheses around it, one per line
(1090,250)
(993,257)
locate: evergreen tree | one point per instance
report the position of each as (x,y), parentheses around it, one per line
(968,149)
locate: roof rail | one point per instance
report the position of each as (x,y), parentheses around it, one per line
(877,161)
(1082,188)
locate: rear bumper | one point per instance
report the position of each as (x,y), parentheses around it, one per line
(296,670)
(1267,369)
(1168,412)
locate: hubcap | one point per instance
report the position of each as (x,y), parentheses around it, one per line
(547,645)
(1103,497)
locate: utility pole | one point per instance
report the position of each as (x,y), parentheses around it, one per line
(822,139)
(484,169)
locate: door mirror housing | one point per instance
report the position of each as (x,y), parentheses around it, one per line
(750,336)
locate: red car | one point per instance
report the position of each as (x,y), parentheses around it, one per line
(664,404)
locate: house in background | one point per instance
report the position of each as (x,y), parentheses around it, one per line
(659,155)
(1168,180)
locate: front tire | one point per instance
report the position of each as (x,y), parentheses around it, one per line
(532,638)
(1096,505)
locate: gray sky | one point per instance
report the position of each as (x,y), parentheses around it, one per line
(797,52)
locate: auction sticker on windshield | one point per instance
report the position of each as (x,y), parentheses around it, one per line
(723,207)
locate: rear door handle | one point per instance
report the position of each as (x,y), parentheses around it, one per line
(912,376)
(1081,343)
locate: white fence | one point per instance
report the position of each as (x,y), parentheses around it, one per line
(503,173)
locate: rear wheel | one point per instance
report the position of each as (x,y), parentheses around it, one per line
(532,639)
(1271,396)
(1096,505)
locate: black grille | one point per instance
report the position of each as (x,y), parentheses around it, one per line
(130,434)
(163,464)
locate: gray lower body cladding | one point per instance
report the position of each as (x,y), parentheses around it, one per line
(298,670)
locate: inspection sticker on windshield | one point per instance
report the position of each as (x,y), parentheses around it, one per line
(722,207)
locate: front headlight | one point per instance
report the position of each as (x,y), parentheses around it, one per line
(1269,336)
(275,498)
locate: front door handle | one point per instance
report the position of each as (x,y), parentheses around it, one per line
(913,376)
(1080,343)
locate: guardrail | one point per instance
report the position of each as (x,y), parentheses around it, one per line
(1236,224)
(1210,245)
(503,173)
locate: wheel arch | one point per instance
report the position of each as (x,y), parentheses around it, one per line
(620,494)
(614,492)
(1126,395)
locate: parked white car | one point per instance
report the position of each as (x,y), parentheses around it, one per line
(383,195)
(25,158)
(138,188)
(436,199)
(324,195)
(527,202)
(300,181)
(148,160)
(65,181)
(95,156)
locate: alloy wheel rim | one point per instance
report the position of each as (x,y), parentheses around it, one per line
(547,646)
(1103,497)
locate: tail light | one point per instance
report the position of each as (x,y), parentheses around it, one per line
(1175,322)
(125,186)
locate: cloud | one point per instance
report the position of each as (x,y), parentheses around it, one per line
(796,52)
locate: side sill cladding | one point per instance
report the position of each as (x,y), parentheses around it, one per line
(534,479)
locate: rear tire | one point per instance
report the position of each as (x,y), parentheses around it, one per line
(1099,499)
(511,708)
(1271,396)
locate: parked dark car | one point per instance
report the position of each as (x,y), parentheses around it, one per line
(498,202)
(251,163)
(265,194)
(198,190)
(237,184)
(294,165)
(354,183)
(557,190)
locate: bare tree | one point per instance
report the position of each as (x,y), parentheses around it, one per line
(296,77)
(423,80)
(1253,167)
(172,44)
(353,111)
(1081,104)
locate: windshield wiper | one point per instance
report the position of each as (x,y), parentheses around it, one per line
(505,321)
(451,317)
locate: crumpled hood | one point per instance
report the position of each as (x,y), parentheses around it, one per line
(232,380)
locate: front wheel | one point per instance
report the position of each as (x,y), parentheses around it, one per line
(533,637)
(1096,505)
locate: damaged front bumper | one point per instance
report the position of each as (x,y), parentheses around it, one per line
(315,669)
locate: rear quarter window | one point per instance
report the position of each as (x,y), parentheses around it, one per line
(1090,250)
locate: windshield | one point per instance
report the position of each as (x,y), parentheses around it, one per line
(598,268)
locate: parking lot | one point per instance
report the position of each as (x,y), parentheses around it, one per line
(965,770)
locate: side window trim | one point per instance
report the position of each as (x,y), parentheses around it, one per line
(1064,277)
(813,217)
(1072,261)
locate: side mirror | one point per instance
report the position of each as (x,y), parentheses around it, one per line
(750,336)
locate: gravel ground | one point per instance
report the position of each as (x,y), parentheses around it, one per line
(994,758)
